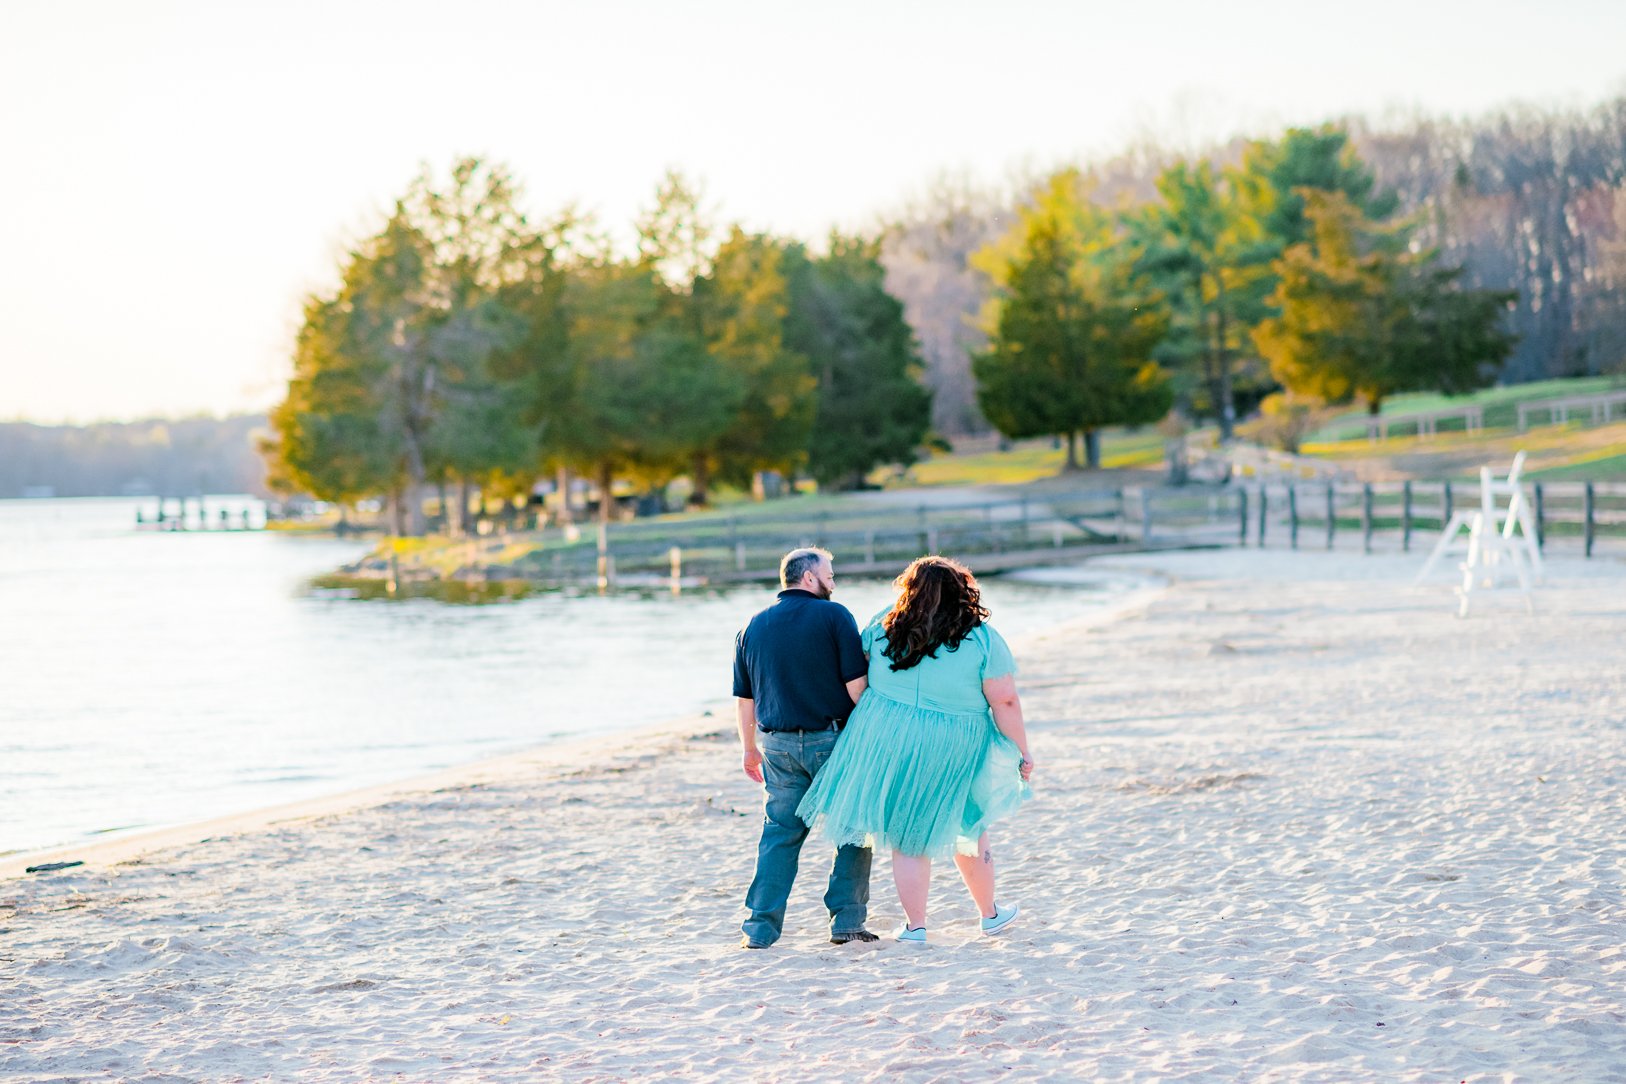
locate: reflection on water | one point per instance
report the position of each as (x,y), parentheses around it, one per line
(150,679)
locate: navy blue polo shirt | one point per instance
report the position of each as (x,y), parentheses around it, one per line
(795,659)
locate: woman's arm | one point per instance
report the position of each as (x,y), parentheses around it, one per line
(1007,708)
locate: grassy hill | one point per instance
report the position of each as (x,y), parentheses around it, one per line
(1554,452)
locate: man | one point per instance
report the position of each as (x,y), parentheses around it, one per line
(799,668)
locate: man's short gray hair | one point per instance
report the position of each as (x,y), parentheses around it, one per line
(797,563)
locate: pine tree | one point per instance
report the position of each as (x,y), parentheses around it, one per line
(870,405)
(1072,328)
(1364,315)
(1210,257)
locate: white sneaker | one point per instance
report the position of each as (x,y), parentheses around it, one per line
(909,937)
(1003,916)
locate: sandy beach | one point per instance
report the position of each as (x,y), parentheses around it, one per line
(1294,821)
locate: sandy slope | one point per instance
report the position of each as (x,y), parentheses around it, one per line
(1295,821)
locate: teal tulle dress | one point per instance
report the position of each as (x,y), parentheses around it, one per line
(921,768)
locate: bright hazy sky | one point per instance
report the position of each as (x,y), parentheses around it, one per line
(175,177)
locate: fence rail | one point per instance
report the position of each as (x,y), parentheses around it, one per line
(1598,407)
(1398,512)
(1426,424)
(992,535)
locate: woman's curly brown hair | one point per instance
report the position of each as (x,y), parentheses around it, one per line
(939,605)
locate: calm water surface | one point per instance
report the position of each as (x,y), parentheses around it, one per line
(149,678)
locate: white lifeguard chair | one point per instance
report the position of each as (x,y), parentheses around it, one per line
(1498,536)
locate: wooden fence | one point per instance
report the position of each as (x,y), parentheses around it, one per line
(881,537)
(1395,514)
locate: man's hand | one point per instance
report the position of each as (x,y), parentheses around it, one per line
(752,762)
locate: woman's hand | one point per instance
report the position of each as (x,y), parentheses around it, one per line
(1026,767)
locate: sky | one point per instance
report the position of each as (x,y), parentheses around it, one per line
(175,178)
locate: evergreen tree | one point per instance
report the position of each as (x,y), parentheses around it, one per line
(739,308)
(393,384)
(1210,257)
(870,405)
(361,402)
(1277,177)
(1364,315)
(326,440)
(1072,329)
(478,239)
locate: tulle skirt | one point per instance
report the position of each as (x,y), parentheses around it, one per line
(913,780)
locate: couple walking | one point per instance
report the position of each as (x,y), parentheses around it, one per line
(906,736)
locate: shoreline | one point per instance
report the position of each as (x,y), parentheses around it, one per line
(559,756)
(552,756)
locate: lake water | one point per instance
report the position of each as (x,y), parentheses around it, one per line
(151,679)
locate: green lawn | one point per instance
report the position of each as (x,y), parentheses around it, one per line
(1026,461)
(1500,404)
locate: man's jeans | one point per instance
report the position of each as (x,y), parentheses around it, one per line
(790,761)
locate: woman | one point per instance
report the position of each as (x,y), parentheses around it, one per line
(935,751)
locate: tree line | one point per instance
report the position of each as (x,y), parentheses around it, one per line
(1527,203)
(166,458)
(469,348)
(1288,274)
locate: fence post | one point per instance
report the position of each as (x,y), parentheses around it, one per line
(739,556)
(1541,519)
(1366,518)
(869,546)
(1242,518)
(1446,509)
(1405,517)
(921,513)
(1145,515)
(1264,504)
(1332,513)
(1293,515)
(676,556)
(1591,517)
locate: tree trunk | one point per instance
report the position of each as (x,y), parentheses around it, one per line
(463,488)
(397,513)
(700,481)
(563,482)
(606,500)
(1092,449)
(1227,399)
(415,483)
(1072,450)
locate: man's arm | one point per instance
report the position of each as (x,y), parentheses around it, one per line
(856,687)
(850,654)
(745,714)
